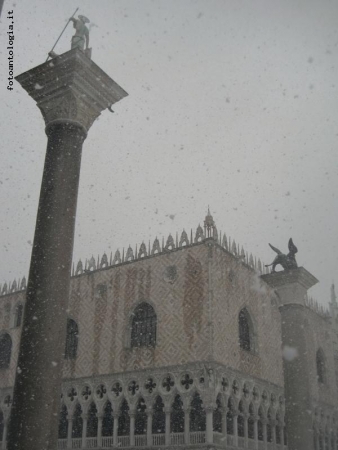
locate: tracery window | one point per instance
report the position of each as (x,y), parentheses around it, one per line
(63,423)
(72,339)
(240,420)
(108,420)
(245,330)
(141,417)
(158,425)
(92,422)
(77,422)
(197,414)
(320,362)
(143,328)
(5,350)
(230,417)
(217,417)
(177,416)
(124,419)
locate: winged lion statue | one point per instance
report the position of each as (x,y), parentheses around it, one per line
(286,261)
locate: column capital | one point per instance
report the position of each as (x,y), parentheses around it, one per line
(71,87)
(291,285)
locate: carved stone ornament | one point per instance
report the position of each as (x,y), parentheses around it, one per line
(71,87)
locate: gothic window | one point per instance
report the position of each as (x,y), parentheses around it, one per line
(251,422)
(260,424)
(18,315)
(141,417)
(240,420)
(278,429)
(320,362)
(77,422)
(92,421)
(197,414)
(143,328)
(177,416)
(158,416)
(245,330)
(108,420)
(63,423)
(230,417)
(217,417)
(1,425)
(124,419)
(72,339)
(5,350)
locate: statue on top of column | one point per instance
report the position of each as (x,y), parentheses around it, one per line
(81,36)
(286,261)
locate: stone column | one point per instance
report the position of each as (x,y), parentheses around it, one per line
(149,427)
(255,419)
(84,430)
(115,430)
(234,418)
(245,417)
(4,434)
(69,432)
(282,425)
(71,92)
(224,426)
(273,432)
(291,287)
(209,437)
(99,429)
(132,428)
(167,411)
(187,425)
(265,434)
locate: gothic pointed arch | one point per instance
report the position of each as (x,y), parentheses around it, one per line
(5,350)
(77,424)
(124,419)
(197,414)
(230,416)
(72,338)
(92,421)
(158,425)
(251,422)
(240,419)
(143,326)
(177,415)
(245,330)
(107,420)
(260,424)
(141,417)
(320,365)
(63,423)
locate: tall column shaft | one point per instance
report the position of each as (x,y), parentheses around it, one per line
(167,426)
(35,412)
(72,93)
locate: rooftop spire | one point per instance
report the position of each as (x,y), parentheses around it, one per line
(209,225)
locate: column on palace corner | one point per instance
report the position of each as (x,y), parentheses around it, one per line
(291,286)
(71,92)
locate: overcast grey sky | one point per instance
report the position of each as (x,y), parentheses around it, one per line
(231,103)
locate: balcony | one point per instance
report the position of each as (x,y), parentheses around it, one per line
(196,439)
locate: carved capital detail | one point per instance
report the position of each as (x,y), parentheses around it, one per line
(71,87)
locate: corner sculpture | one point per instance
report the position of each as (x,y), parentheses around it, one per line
(286,261)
